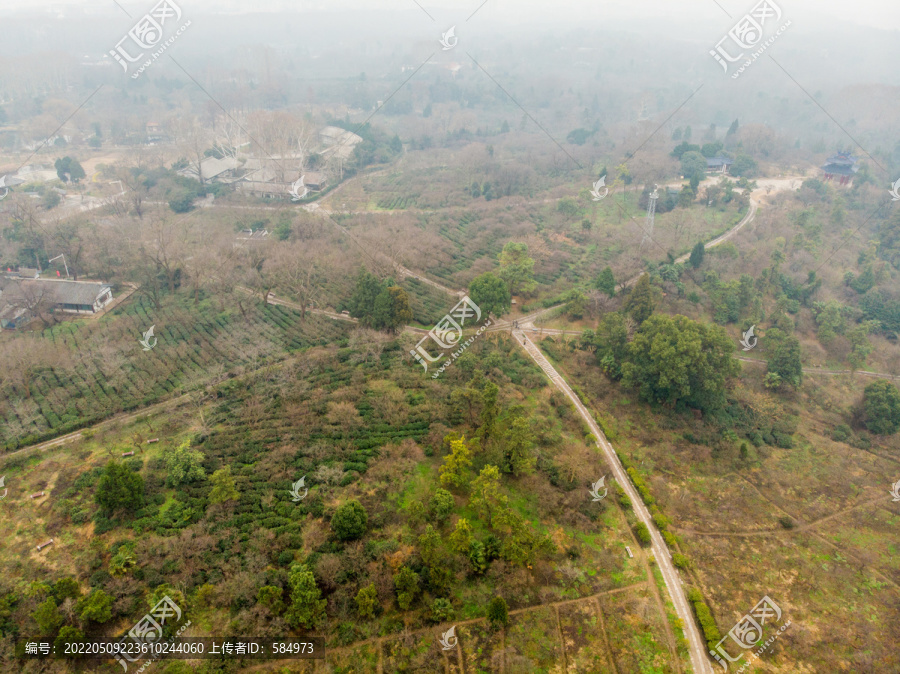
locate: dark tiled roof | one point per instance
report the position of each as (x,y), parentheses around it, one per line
(718,162)
(65,292)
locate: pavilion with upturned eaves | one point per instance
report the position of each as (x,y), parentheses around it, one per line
(841,166)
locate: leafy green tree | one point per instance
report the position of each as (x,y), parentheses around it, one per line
(684,148)
(47,617)
(181,200)
(367,601)
(830,319)
(461,538)
(406,583)
(686,197)
(67,635)
(517,269)
(123,561)
(882,405)
(710,150)
(785,357)
(744,166)
(442,610)
(307,607)
(693,163)
(183,465)
(674,359)
(578,136)
(642,533)
(698,252)
(606,282)
(65,588)
(498,612)
(429,546)
(455,463)
(224,488)
(486,494)
(270,596)
(611,342)
(391,309)
(478,556)
(491,294)
(97,606)
(350,521)
(71,166)
(518,442)
(441,505)
(859,343)
(641,301)
(119,489)
(489,409)
(362,303)
(576,304)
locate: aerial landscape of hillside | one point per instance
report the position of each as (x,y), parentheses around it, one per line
(465,337)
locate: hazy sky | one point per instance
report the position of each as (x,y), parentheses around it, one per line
(883,14)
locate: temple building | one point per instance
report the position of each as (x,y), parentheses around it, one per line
(841,166)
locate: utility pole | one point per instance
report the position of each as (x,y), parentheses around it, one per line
(64,264)
(651,216)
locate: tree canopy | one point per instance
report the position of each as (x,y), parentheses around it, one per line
(350,521)
(490,293)
(882,405)
(641,301)
(119,489)
(785,357)
(70,166)
(517,269)
(675,360)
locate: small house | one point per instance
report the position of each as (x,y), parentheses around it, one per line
(718,164)
(315,181)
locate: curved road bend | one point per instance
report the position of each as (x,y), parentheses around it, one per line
(696,643)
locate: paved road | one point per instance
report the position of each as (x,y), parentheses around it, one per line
(696,643)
